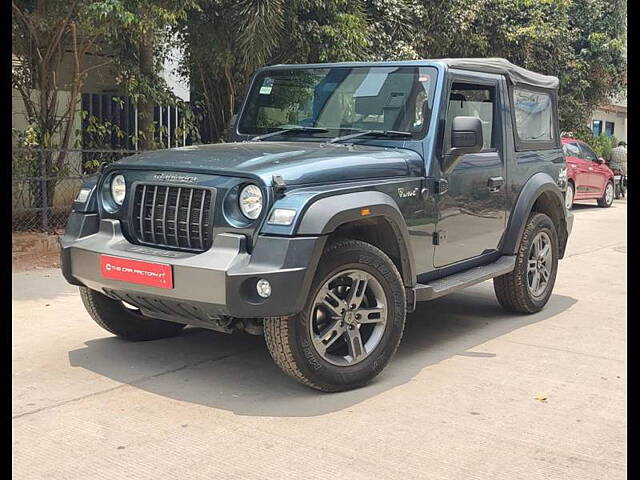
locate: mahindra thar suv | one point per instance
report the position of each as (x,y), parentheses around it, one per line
(350,192)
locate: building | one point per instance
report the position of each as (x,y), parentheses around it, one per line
(104,101)
(611,119)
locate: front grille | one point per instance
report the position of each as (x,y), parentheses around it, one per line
(174,217)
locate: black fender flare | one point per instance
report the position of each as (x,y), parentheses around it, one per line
(537,185)
(326,214)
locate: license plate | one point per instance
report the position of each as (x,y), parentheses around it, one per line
(151,274)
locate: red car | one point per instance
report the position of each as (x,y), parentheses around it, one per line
(588,176)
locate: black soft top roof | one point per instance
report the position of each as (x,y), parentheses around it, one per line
(517,75)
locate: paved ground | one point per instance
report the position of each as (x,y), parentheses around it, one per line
(464,397)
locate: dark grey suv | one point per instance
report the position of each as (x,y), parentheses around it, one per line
(351,192)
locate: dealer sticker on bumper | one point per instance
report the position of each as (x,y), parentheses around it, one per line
(135,271)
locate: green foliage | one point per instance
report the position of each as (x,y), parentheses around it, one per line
(226,40)
(602,144)
(581,41)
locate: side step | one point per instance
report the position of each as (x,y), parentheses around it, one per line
(458,281)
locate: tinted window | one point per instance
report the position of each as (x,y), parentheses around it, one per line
(587,153)
(474,101)
(571,150)
(534,115)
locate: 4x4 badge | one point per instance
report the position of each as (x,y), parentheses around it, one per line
(404,193)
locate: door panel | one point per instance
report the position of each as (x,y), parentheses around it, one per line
(472,212)
(578,168)
(583,179)
(596,179)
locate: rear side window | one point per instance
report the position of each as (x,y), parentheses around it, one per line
(534,116)
(571,150)
(587,153)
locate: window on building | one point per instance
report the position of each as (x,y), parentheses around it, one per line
(609,128)
(596,127)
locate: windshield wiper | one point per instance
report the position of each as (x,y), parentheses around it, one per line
(289,130)
(372,133)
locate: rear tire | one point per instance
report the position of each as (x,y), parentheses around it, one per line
(568,196)
(126,323)
(329,349)
(607,196)
(516,291)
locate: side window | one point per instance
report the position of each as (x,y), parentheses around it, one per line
(533,116)
(470,100)
(571,150)
(587,153)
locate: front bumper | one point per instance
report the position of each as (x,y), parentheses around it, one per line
(207,286)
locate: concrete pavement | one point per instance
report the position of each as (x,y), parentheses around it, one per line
(473,392)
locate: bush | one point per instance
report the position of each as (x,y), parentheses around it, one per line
(602,144)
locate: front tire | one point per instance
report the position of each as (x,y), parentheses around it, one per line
(528,287)
(124,322)
(351,325)
(607,197)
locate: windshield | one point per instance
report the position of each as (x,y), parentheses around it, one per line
(340,100)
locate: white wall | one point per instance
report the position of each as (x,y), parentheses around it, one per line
(618,118)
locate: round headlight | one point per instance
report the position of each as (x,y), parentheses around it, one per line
(118,189)
(251,201)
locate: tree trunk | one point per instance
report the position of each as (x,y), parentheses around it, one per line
(145,105)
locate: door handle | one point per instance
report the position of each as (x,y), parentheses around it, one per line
(495,183)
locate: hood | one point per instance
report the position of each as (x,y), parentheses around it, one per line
(297,162)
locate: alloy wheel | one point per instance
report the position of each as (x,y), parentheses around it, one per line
(539,264)
(348,317)
(568,197)
(608,193)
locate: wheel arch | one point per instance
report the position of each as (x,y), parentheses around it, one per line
(372,217)
(539,194)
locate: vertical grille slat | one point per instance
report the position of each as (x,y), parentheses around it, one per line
(168,216)
(164,215)
(188,218)
(200,220)
(175,218)
(142,203)
(153,215)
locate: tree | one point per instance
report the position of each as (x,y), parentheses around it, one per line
(46,33)
(225,41)
(579,41)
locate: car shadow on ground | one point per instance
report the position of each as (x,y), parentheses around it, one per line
(236,373)
(588,205)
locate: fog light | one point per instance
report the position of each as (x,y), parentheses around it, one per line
(264,288)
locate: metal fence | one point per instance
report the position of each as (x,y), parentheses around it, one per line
(46,181)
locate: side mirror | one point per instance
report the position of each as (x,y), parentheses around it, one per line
(600,160)
(466,137)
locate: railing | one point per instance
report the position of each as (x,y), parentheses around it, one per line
(45,182)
